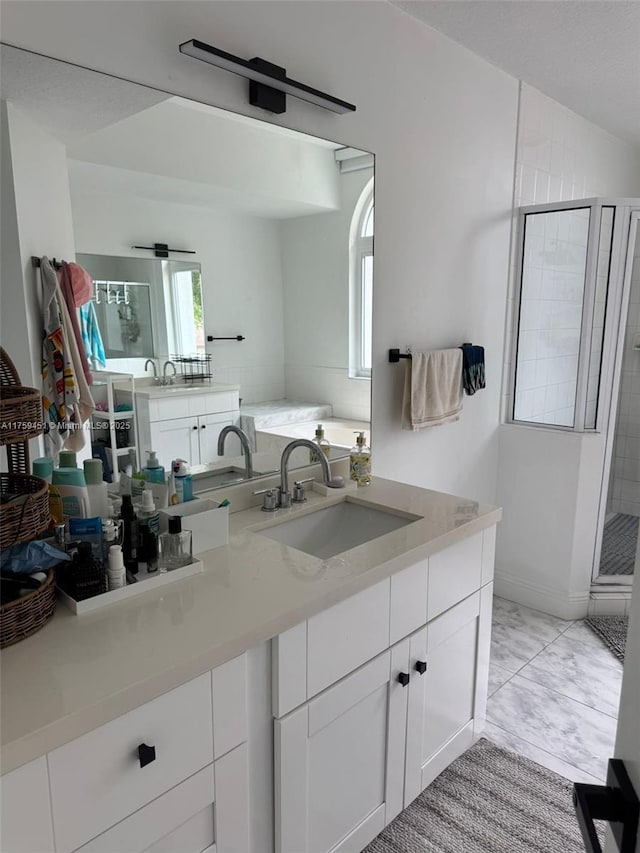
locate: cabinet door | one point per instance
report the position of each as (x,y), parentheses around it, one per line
(339,760)
(209,428)
(442,695)
(175,439)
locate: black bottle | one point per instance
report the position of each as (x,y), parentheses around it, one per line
(129,535)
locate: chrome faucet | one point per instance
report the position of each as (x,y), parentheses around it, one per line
(284,495)
(169,381)
(244,441)
(151,362)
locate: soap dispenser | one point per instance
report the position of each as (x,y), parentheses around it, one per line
(153,472)
(360,461)
(322,443)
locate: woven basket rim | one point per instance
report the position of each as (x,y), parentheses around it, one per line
(24,599)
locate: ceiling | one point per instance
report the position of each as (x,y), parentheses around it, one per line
(583,53)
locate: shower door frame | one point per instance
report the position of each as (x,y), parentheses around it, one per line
(627,219)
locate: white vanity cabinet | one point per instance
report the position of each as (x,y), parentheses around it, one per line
(172,774)
(187,425)
(379,718)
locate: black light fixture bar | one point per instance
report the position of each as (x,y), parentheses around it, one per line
(161,250)
(264,74)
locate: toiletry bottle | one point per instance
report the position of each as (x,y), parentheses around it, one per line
(72,488)
(43,468)
(96,487)
(116,573)
(67,459)
(183,481)
(175,546)
(172,497)
(148,532)
(129,535)
(153,472)
(360,461)
(322,443)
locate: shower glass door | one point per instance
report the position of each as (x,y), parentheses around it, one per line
(565,263)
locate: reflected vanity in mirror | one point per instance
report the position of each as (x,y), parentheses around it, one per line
(280,225)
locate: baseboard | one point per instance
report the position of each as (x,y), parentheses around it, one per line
(609,602)
(561,604)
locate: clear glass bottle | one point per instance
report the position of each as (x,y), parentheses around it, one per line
(360,461)
(174,546)
(322,443)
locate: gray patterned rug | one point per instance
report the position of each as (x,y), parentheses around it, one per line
(619,541)
(489,800)
(612,630)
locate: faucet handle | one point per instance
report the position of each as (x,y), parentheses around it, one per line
(270,499)
(299,496)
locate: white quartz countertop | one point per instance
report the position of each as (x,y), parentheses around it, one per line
(158,392)
(79,672)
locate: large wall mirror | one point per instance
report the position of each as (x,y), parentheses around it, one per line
(279,224)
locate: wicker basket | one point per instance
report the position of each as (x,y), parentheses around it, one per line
(23,519)
(26,615)
(21,415)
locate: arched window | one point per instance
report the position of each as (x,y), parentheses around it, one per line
(361,285)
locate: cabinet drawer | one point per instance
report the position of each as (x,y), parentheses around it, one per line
(26,813)
(96,780)
(454,574)
(229,684)
(182,819)
(211,404)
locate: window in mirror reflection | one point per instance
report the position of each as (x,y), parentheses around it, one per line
(184,286)
(361,284)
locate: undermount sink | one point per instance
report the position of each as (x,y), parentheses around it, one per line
(221,477)
(330,531)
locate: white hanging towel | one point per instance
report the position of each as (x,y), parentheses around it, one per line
(432,388)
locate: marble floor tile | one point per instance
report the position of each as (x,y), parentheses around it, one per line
(573,732)
(510,741)
(498,676)
(593,678)
(511,648)
(533,622)
(581,633)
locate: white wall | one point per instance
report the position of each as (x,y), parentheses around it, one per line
(625,485)
(441,122)
(36,220)
(241,276)
(549,482)
(315,263)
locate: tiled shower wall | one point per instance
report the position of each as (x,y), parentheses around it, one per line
(624,495)
(560,156)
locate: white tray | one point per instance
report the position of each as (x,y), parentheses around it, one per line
(146,582)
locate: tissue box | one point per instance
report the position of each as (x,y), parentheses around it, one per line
(206,519)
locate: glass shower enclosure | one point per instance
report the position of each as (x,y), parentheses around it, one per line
(576,351)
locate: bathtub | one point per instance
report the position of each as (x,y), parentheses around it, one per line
(338,432)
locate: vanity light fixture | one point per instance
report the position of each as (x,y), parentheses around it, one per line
(161,250)
(269,84)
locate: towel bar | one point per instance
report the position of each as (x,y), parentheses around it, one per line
(395,355)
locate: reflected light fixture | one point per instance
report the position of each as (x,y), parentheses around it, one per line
(268,83)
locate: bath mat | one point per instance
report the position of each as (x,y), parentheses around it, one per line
(489,799)
(612,630)
(619,540)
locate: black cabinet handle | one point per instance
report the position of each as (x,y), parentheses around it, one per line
(203,426)
(615,802)
(404,678)
(146,754)
(195,427)
(421,666)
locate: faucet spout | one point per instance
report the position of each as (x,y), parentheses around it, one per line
(244,441)
(285,496)
(151,362)
(164,373)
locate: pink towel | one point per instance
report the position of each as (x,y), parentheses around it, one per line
(64,276)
